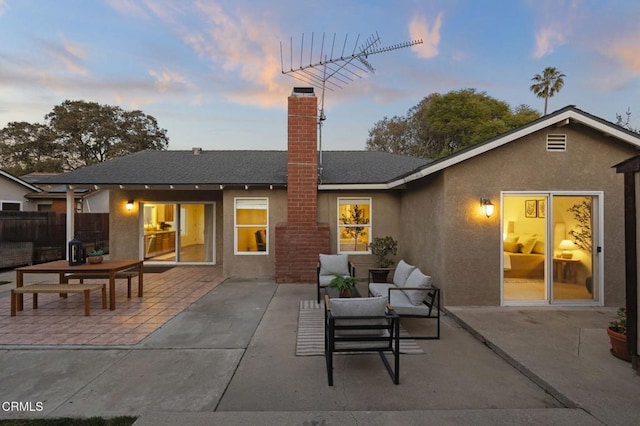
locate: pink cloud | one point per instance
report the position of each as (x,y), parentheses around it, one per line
(547,40)
(419,29)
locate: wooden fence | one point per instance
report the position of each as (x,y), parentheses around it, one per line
(46,231)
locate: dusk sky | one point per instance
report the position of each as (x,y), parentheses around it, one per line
(210,71)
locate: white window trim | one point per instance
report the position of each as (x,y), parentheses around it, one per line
(369,225)
(236,226)
(12,202)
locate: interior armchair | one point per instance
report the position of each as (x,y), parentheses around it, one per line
(362,324)
(331,265)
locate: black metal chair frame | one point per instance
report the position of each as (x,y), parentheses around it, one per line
(432,301)
(391,325)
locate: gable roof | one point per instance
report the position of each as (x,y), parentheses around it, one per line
(564,116)
(19,181)
(162,168)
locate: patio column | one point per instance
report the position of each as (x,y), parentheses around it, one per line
(71,213)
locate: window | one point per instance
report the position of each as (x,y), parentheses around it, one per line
(251,225)
(44,207)
(10,206)
(354,225)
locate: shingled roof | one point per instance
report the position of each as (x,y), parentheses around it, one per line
(237,168)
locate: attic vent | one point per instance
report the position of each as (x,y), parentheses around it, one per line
(557,143)
(196,151)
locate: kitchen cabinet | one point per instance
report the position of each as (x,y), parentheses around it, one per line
(159,242)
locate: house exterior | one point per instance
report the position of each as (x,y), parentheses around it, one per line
(13,191)
(270,213)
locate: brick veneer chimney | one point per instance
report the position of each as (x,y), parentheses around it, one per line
(301,238)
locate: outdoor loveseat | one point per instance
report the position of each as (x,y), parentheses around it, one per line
(411,293)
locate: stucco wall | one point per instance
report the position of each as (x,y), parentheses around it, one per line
(469,242)
(11,191)
(422,231)
(258,265)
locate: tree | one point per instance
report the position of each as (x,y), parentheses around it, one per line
(77,134)
(93,133)
(442,124)
(547,84)
(26,148)
(626,121)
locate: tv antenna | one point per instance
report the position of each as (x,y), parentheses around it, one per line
(336,67)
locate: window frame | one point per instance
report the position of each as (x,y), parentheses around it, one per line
(369,226)
(14,202)
(236,227)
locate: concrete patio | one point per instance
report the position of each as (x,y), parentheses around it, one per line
(228,357)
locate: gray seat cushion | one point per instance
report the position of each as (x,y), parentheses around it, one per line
(325,280)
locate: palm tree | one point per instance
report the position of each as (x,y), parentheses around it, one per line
(547,84)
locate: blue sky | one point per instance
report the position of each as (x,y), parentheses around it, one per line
(210,71)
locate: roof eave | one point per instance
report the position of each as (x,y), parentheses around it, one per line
(563,116)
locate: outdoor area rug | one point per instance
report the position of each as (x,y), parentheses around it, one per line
(310,339)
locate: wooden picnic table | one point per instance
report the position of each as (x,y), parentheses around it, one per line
(62,268)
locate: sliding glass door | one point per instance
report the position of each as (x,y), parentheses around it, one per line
(179,233)
(550,253)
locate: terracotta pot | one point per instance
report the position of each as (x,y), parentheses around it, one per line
(94,259)
(619,345)
(345,293)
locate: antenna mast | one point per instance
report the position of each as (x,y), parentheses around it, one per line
(333,70)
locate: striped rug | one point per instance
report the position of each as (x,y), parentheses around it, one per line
(310,339)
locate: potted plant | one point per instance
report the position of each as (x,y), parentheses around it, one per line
(344,285)
(382,248)
(617,332)
(95,256)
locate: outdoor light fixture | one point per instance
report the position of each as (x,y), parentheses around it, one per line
(487,206)
(567,248)
(129,205)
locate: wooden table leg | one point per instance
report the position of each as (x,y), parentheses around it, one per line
(140,282)
(112,290)
(19,297)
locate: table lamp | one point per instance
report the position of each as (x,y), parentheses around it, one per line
(567,248)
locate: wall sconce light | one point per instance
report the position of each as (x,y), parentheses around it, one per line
(487,206)
(567,248)
(129,205)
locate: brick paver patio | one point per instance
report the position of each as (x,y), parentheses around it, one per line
(60,321)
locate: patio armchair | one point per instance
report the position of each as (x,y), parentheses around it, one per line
(362,324)
(330,265)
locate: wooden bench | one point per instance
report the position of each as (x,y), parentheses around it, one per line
(59,288)
(128,275)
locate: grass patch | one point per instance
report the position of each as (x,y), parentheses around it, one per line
(68,421)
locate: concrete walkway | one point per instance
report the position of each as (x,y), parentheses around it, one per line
(230,359)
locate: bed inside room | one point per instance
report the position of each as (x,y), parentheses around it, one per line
(527,235)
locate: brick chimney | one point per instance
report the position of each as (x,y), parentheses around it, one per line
(301,238)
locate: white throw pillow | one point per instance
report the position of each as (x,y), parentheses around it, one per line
(419,280)
(402,272)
